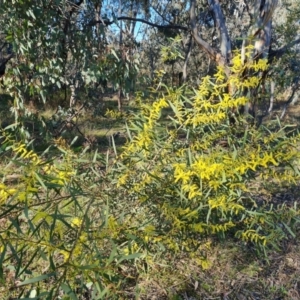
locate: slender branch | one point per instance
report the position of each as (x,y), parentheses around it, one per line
(187,56)
(170,26)
(290,100)
(203,44)
(163,18)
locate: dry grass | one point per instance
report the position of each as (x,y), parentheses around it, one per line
(236,272)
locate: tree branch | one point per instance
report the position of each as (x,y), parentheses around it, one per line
(204,45)
(290,100)
(108,22)
(264,12)
(163,18)
(187,56)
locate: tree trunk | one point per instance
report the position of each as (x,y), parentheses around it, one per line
(74,93)
(98,21)
(187,56)
(259,35)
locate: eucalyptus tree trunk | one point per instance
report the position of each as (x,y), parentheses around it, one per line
(186,59)
(259,34)
(74,93)
(98,6)
(120,47)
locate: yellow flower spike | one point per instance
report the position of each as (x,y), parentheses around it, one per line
(122,180)
(76,222)
(31,189)
(65,254)
(11,191)
(126,251)
(181,174)
(3,196)
(22,152)
(22,196)
(29,154)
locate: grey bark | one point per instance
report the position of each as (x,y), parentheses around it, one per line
(260,31)
(187,56)
(225,43)
(74,92)
(201,43)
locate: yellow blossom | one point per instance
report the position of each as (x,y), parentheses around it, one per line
(181,174)
(76,222)
(65,254)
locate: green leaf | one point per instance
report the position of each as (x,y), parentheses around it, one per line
(89,267)
(37,279)
(74,140)
(115,54)
(66,288)
(95,156)
(40,180)
(28,264)
(129,257)
(101,291)
(112,255)
(289,230)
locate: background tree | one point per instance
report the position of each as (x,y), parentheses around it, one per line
(87,48)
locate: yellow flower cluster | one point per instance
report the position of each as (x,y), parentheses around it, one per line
(225,204)
(216,171)
(5,193)
(29,179)
(143,141)
(253,236)
(113,114)
(181,170)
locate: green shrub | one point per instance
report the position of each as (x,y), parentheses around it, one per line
(198,175)
(55,234)
(76,228)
